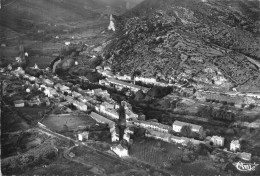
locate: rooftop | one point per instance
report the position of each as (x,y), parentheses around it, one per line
(179,123)
(158,134)
(101,118)
(159,125)
(125,83)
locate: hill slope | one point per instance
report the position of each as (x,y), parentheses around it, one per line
(184,38)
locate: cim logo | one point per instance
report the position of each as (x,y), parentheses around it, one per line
(245,166)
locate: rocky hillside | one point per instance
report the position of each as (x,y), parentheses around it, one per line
(214,42)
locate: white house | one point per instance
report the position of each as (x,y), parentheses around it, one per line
(67,43)
(48,82)
(178,140)
(129,130)
(235,145)
(126,136)
(50,92)
(108,109)
(152,125)
(120,150)
(158,135)
(218,140)
(114,133)
(76,94)
(32,78)
(102,119)
(124,78)
(19,103)
(18,59)
(84,135)
(177,126)
(107,73)
(80,106)
(145,80)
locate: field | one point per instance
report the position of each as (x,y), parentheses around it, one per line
(58,122)
(105,164)
(155,152)
(168,156)
(11,121)
(43,27)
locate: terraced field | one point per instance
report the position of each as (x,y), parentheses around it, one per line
(155,152)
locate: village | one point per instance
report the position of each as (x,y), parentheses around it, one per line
(120,118)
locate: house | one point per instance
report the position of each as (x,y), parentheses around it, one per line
(129,130)
(234,145)
(126,136)
(107,68)
(100,92)
(109,109)
(145,80)
(35,102)
(218,140)
(178,140)
(26,76)
(114,133)
(152,125)
(69,99)
(82,99)
(177,126)
(19,103)
(80,106)
(103,82)
(107,73)
(132,87)
(98,68)
(129,115)
(158,135)
(48,82)
(67,43)
(19,71)
(101,119)
(62,88)
(9,67)
(76,94)
(96,91)
(84,135)
(32,79)
(50,92)
(120,150)
(253,95)
(245,156)
(124,78)
(111,113)
(71,155)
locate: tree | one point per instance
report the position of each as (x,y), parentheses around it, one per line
(139,95)
(186,131)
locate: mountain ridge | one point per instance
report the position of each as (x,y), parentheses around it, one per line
(176,37)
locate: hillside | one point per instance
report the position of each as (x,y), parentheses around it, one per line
(184,38)
(43,26)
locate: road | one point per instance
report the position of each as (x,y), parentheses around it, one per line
(97,152)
